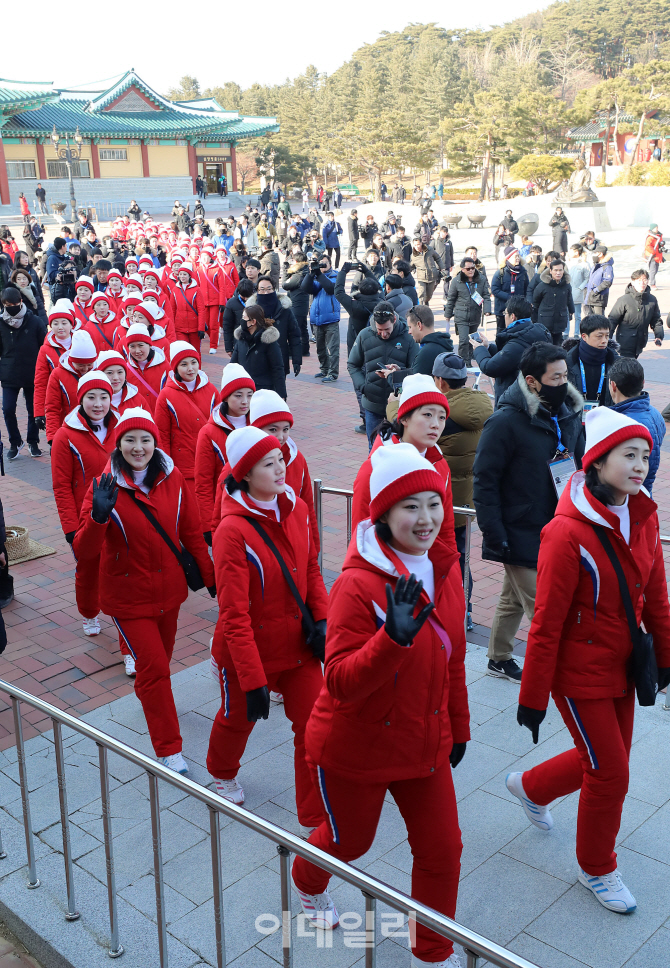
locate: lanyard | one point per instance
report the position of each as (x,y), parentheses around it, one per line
(561,448)
(602,379)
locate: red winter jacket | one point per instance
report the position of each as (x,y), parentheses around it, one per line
(227,278)
(151,380)
(115,300)
(186,307)
(61,395)
(47,361)
(140,576)
(81,313)
(77,456)
(210,459)
(180,415)
(388,712)
(102,333)
(297,477)
(360,506)
(130,397)
(259,630)
(579,644)
(209,289)
(166,321)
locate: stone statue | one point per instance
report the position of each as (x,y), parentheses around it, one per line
(578,189)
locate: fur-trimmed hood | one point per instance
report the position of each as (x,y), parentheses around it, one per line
(574,401)
(545,276)
(269,335)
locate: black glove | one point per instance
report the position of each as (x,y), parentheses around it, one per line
(104,498)
(296,369)
(317,640)
(401,626)
(258,704)
(663,678)
(69,537)
(531,718)
(207,535)
(457,754)
(345,267)
(502,549)
(201,334)
(212,590)
(41,423)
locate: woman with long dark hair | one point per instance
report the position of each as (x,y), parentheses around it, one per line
(257,350)
(580,644)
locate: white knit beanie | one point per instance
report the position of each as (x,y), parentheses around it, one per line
(138,333)
(245,447)
(235,377)
(418,389)
(605,429)
(267,407)
(397,472)
(82,348)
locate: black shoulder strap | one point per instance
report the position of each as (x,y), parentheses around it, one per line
(306,614)
(603,537)
(161,531)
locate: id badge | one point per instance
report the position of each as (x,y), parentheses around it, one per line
(588,405)
(561,470)
(477,298)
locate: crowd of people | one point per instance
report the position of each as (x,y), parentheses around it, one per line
(165,482)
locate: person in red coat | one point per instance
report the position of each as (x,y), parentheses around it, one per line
(147,365)
(273,415)
(209,289)
(83,288)
(124,394)
(259,643)
(125,318)
(115,291)
(183,408)
(142,583)
(134,284)
(61,395)
(237,389)
(150,314)
(422,414)
(162,300)
(57,342)
(393,712)
(580,647)
(188,308)
(102,322)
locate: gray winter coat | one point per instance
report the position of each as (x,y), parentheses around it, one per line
(370,353)
(460,304)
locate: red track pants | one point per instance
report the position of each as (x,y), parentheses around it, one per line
(213,314)
(428,807)
(191,338)
(86,579)
(602,730)
(151,641)
(230,732)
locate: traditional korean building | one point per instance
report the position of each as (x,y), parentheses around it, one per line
(135,143)
(593,135)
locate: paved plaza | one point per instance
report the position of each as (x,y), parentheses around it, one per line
(519,886)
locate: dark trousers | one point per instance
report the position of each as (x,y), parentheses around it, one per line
(10,396)
(500,323)
(653,269)
(301,320)
(464,346)
(353,249)
(328,348)
(336,250)
(459,534)
(557,339)
(372,422)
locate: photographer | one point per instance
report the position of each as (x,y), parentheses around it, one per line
(61,272)
(654,247)
(324,315)
(21,336)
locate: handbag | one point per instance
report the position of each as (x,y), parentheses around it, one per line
(308,623)
(645,669)
(194,579)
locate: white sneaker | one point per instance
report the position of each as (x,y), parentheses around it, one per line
(276,697)
(212,351)
(213,667)
(175,762)
(453,961)
(319,909)
(610,890)
(129,663)
(230,790)
(91,626)
(538,815)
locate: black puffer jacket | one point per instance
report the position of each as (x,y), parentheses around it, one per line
(592,373)
(232,317)
(261,357)
(460,303)
(19,349)
(399,248)
(358,306)
(631,318)
(291,281)
(285,322)
(514,494)
(501,359)
(370,353)
(552,302)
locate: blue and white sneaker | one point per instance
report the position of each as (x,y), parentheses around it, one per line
(539,816)
(610,890)
(175,762)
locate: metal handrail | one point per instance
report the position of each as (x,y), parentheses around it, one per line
(468,513)
(476,945)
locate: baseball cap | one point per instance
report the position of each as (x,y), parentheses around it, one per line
(449,366)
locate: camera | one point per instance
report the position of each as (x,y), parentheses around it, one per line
(67,274)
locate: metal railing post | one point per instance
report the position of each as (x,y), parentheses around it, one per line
(466,566)
(217,881)
(319,517)
(473,958)
(370,931)
(72,912)
(158,870)
(115,947)
(350,502)
(285,875)
(33,880)
(3,853)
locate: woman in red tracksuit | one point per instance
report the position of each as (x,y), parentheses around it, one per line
(422,414)
(61,395)
(125,319)
(259,643)
(209,289)
(163,302)
(102,322)
(393,712)
(183,408)
(57,342)
(80,450)
(83,287)
(115,291)
(579,644)
(272,414)
(147,365)
(142,583)
(187,307)
(232,413)
(150,314)
(124,394)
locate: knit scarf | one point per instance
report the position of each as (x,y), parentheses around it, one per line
(591,355)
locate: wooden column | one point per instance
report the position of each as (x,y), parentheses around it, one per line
(192,164)
(41,163)
(4,183)
(145,158)
(233,165)
(95,159)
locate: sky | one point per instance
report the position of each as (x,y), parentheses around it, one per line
(263,43)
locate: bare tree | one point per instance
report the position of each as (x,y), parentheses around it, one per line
(246,168)
(568,66)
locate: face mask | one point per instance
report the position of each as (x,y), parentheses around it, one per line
(554,395)
(13,310)
(267,301)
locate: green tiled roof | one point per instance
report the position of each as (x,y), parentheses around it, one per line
(595,130)
(24,95)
